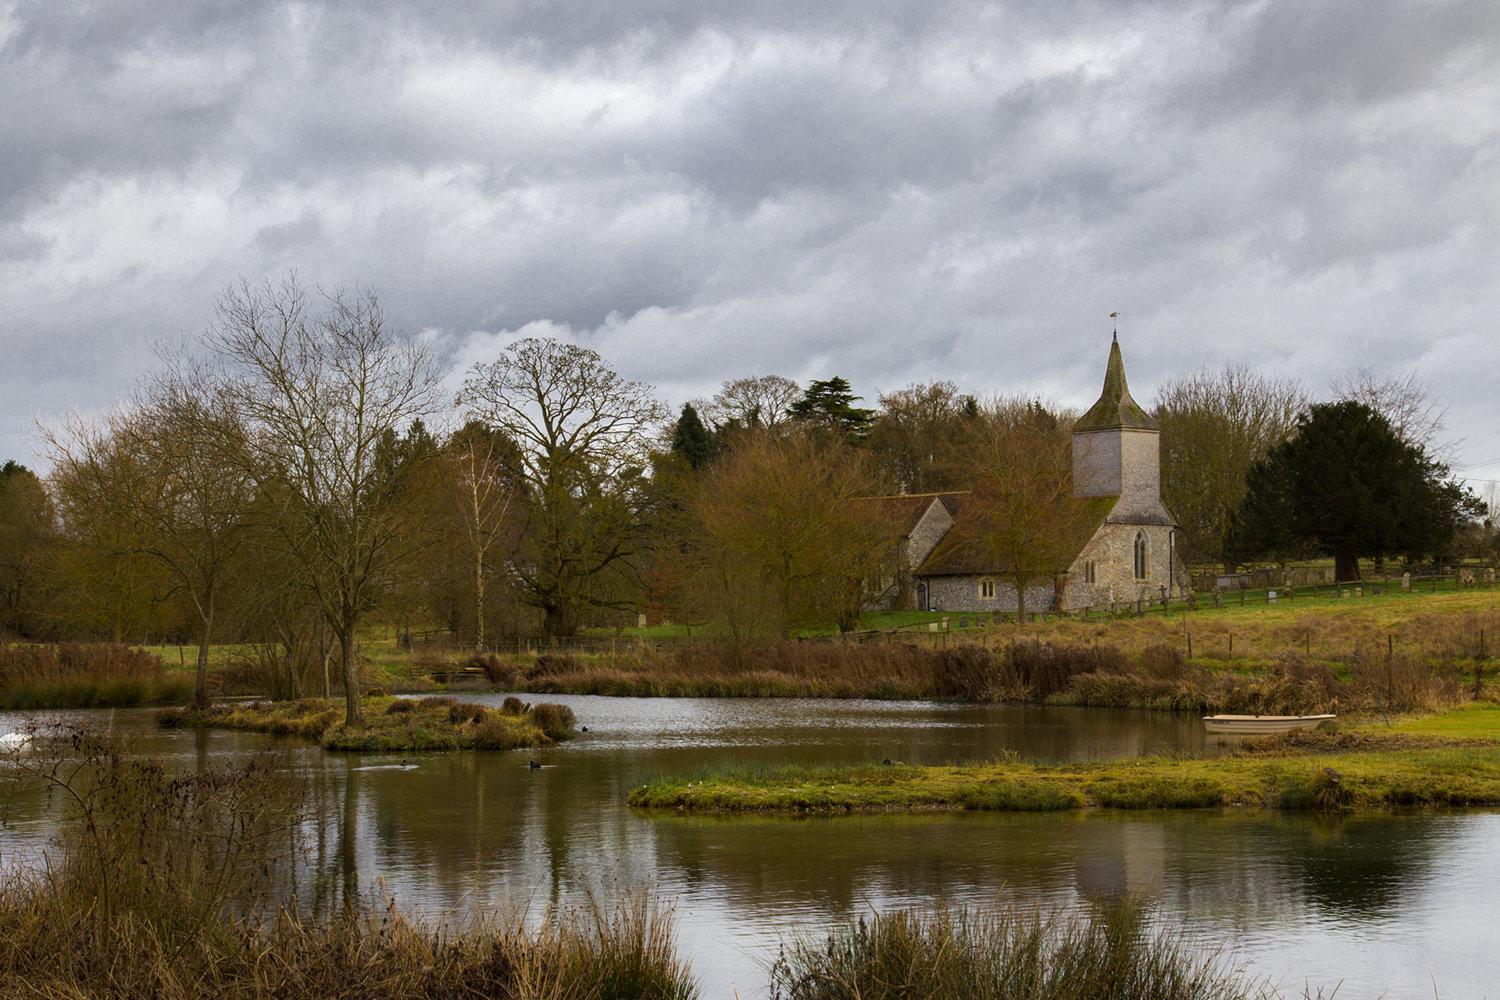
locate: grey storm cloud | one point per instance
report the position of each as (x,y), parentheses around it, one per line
(892,191)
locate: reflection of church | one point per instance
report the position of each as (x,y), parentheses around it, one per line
(1129,860)
(1126,550)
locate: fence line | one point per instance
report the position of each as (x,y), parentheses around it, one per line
(936,632)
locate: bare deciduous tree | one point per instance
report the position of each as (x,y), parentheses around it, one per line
(584,434)
(918,436)
(320,389)
(27,534)
(753,401)
(1022,517)
(1214,426)
(783,538)
(1404,401)
(480,474)
(170,471)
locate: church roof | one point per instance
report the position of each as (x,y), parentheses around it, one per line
(966,551)
(1115,408)
(906,510)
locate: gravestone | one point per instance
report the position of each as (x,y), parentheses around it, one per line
(1406,582)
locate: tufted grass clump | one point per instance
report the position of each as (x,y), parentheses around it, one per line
(556,721)
(1110,953)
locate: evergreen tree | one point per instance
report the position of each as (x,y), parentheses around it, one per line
(830,404)
(1346,484)
(691,440)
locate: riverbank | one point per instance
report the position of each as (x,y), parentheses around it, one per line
(392,725)
(1343,771)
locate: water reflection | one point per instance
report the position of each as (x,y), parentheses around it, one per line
(1381,903)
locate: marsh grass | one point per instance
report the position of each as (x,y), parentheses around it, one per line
(86,675)
(1368,770)
(390,725)
(1110,953)
(157,887)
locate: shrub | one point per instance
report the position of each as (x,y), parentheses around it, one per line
(968,672)
(496,670)
(513,706)
(1163,661)
(467,712)
(551,665)
(1045,670)
(401,706)
(554,720)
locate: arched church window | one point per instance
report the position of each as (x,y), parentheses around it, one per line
(1142,557)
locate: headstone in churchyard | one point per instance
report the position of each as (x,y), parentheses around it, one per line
(932,626)
(1271,596)
(640,620)
(1406,581)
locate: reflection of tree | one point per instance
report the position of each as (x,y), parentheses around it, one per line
(759,864)
(1360,867)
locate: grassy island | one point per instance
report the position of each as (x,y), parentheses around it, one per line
(1357,770)
(392,724)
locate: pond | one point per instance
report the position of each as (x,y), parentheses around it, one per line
(1376,905)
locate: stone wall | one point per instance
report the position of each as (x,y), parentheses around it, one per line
(1096,463)
(929,530)
(1112,551)
(962,594)
(914,548)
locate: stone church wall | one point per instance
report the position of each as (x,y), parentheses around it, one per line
(962,594)
(1096,463)
(1112,551)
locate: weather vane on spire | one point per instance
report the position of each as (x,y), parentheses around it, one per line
(1116,317)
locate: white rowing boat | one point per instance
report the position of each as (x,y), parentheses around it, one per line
(1247,725)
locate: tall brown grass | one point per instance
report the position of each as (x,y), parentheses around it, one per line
(156,888)
(85,675)
(943,954)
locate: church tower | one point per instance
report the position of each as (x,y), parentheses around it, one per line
(1117,457)
(1117,451)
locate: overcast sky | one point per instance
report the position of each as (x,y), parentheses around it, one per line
(885,190)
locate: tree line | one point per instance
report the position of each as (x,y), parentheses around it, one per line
(277,480)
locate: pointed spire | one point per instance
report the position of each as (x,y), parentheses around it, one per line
(1115,408)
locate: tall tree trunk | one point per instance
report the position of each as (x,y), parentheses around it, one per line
(351,677)
(1020,602)
(479,601)
(1345,564)
(200,685)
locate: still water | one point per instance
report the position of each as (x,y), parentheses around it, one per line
(1386,905)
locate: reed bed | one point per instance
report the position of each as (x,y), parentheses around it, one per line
(1159,677)
(1110,953)
(86,675)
